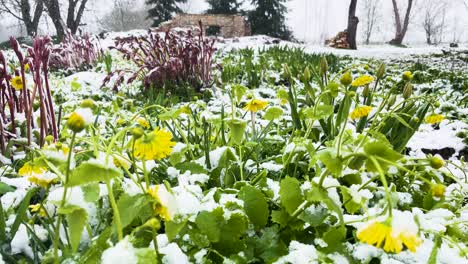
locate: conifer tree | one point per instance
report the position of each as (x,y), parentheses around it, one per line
(268,18)
(228,7)
(163,10)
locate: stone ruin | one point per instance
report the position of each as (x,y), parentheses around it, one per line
(227,26)
(340,41)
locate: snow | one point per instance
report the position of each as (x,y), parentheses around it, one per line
(299,253)
(122,252)
(173,254)
(21,242)
(445,137)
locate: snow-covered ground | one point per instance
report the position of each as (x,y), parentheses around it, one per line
(383,51)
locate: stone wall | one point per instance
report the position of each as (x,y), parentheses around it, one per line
(230,26)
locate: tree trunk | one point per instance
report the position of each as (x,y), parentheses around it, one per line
(400,31)
(73,22)
(53,9)
(353,22)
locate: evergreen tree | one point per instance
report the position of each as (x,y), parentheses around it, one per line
(229,7)
(163,10)
(268,18)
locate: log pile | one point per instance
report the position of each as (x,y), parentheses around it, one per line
(340,41)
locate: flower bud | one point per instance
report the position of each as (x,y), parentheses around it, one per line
(153,223)
(407,76)
(436,162)
(307,75)
(49,139)
(286,71)
(381,71)
(137,132)
(437,104)
(351,94)
(391,100)
(346,79)
(76,122)
(333,87)
(323,65)
(438,190)
(88,103)
(407,91)
(366,91)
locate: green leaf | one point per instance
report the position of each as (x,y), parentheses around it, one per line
(320,112)
(290,194)
(280,217)
(239,91)
(97,247)
(4,188)
(75,86)
(210,223)
(193,167)
(350,205)
(315,217)
(273,113)
(269,246)
(89,172)
(2,224)
(381,150)
(255,204)
(91,192)
(76,219)
(173,229)
(334,236)
(146,256)
(21,211)
(131,206)
(230,241)
(172,114)
(331,162)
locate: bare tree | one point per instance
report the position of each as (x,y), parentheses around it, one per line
(29,13)
(353,22)
(371,17)
(74,13)
(125,17)
(401,26)
(434,20)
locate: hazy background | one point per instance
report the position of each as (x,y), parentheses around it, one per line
(310,20)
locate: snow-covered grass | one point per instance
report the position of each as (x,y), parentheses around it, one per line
(269,165)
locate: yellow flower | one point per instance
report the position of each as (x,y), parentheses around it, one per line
(374,234)
(360,112)
(255,105)
(155,145)
(37,174)
(411,241)
(143,122)
(434,119)
(26,67)
(362,80)
(17,83)
(381,234)
(37,208)
(165,205)
(121,163)
(30,170)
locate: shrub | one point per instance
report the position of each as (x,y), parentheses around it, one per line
(177,58)
(77,52)
(19,99)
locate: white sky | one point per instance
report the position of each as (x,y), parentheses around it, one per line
(310,20)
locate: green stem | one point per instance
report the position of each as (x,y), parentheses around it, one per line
(62,203)
(118,223)
(384,182)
